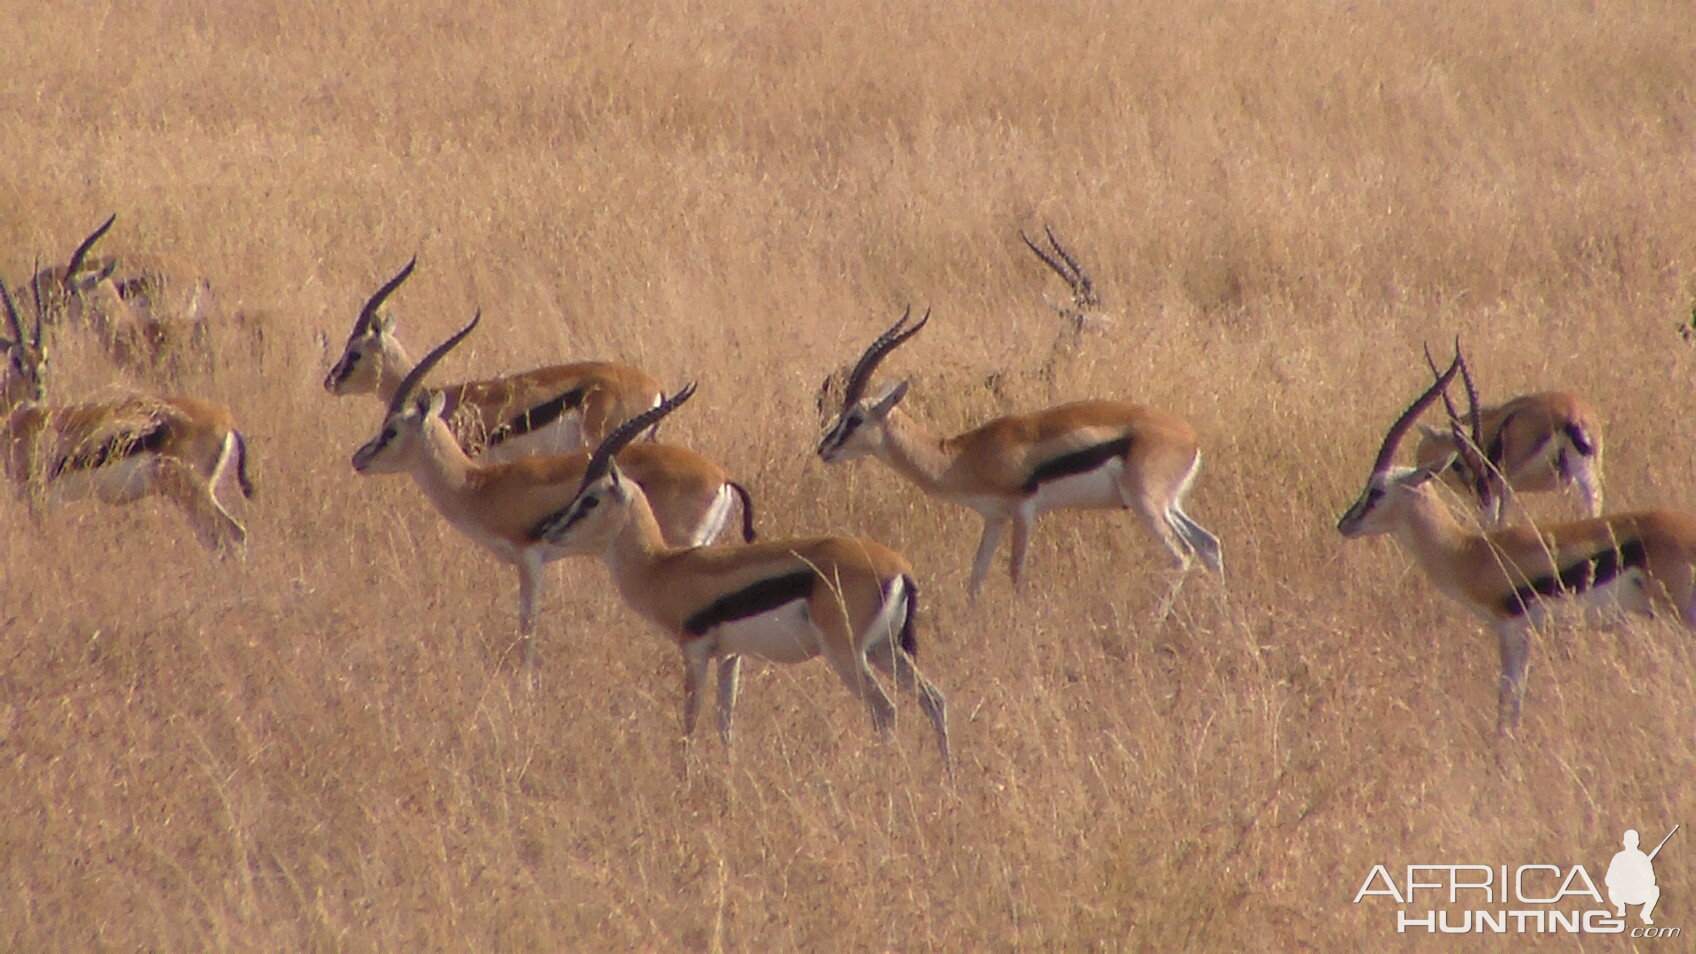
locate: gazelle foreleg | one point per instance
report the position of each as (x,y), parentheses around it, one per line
(729,681)
(529,585)
(1023,518)
(993,528)
(697,655)
(1514,638)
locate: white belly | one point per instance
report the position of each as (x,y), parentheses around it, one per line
(118,482)
(563,436)
(1096,489)
(785,635)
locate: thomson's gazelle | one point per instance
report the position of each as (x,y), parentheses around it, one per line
(1085,455)
(1543,442)
(556,409)
(850,600)
(119,450)
(1639,562)
(497,505)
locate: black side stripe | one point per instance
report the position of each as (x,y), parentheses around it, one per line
(1587,573)
(113,448)
(752,600)
(1077,462)
(537,417)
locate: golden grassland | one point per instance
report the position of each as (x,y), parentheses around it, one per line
(325,747)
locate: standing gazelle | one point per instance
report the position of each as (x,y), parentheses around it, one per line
(556,409)
(1087,455)
(850,600)
(497,505)
(1534,443)
(119,450)
(1511,578)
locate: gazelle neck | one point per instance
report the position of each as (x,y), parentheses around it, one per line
(1428,530)
(440,465)
(915,451)
(393,363)
(636,549)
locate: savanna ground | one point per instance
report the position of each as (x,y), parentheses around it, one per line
(326,747)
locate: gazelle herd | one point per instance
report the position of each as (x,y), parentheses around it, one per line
(544,464)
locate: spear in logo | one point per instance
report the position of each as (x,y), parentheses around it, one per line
(1657,850)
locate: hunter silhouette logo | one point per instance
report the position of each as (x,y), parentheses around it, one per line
(1448,898)
(1631,876)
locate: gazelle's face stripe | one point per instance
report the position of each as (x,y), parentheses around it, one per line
(751,600)
(1077,462)
(1596,570)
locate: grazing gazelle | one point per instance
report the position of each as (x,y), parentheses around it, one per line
(118,450)
(556,409)
(1086,455)
(850,600)
(1080,311)
(497,505)
(1543,442)
(148,312)
(1511,578)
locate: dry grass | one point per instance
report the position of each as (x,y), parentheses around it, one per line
(323,750)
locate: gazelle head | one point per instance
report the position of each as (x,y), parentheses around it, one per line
(22,379)
(1080,311)
(61,292)
(599,509)
(1389,488)
(360,366)
(858,427)
(402,434)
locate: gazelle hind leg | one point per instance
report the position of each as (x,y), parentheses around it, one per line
(887,648)
(1200,541)
(185,487)
(890,659)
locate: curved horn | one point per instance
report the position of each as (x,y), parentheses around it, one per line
(1477,459)
(366,314)
(410,382)
(885,343)
(12,321)
(1081,285)
(1387,451)
(1048,259)
(622,435)
(82,250)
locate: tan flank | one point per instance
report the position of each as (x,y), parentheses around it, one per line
(850,600)
(498,505)
(120,450)
(555,409)
(1638,562)
(1086,455)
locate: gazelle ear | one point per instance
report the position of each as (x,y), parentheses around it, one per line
(1432,433)
(382,324)
(1425,472)
(437,404)
(890,397)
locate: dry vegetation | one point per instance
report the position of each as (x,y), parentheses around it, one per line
(325,748)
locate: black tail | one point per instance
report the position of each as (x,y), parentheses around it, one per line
(747,511)
(909,631)
(241,466)
(1580,440)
